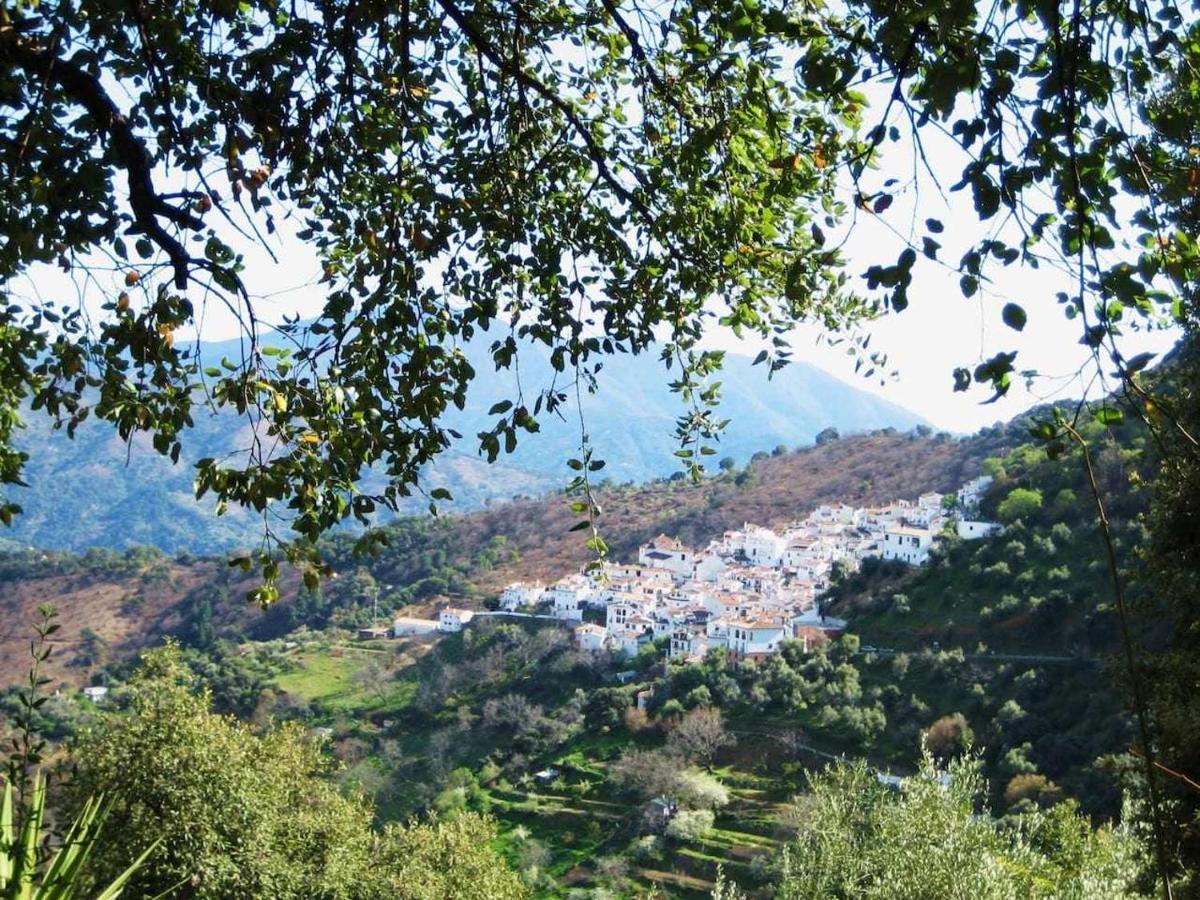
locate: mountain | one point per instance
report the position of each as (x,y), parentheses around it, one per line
(95,491)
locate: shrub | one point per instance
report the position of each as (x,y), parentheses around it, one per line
(1019,504)
(636,720)
(699,790)
(859,839)
(1031,788)
(690,824)
(948,737)
(239,814)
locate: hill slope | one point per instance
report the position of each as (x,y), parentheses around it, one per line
(132,599)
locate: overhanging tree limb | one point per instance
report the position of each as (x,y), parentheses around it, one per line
(130,152)
(595,151)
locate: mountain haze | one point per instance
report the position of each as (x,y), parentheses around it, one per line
(96,491)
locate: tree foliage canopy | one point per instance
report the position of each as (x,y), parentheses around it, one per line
(238,814)
(861,839)
(593,176)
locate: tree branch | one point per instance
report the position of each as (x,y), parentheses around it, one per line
(130,152)
(596,152)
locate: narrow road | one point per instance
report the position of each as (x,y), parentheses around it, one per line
(499,613)
(986,657)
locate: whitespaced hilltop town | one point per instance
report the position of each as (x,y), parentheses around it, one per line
(747,591)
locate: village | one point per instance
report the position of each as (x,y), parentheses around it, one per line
(748,591)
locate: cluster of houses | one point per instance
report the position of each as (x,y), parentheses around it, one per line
(750,589)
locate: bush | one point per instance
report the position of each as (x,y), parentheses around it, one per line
(690,824)
(699,790)
(1020,503)
(859,839)
(239,814)
(636,720)
(948,737)
(1029,788)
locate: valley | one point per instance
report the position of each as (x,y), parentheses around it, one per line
(568,748)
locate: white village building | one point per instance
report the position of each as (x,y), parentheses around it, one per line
(591,638)
(521,593)
(907,544)
(453,618)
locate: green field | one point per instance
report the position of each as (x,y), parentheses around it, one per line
(336,685)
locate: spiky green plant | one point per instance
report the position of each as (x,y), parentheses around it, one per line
(23,877)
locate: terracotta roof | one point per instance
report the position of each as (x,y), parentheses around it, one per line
(662,542)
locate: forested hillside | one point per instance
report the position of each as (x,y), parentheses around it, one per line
(999,658)
(132,598)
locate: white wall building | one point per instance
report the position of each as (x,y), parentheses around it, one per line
(667,553)
(567,597)
(762,546)
(972,492)
(405,626)
(591,638)
(909,545)
(520,594)
(755,639)
(628,640)
(970,530)
(453,618)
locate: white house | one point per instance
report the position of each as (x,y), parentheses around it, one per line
(95,693)
(972,492)
(689,644)
(932,500)
(590,638)
(629,640)
(453,618)
(667,553)
(708,567)
(842,513)
(753,640)
(762,546)
(970,530)
(567,596)
(520,594)
(403,626)
(909,545)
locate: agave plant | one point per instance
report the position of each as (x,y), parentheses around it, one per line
(61,876)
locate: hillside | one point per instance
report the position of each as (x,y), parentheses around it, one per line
(861,469)
(94,491)
(1006,640)
(131,599)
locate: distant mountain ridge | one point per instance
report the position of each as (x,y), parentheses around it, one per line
(96,492)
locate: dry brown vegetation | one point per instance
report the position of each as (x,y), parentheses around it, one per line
(861,470)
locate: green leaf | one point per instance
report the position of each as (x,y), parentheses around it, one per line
(1138,363)
(1014,316)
